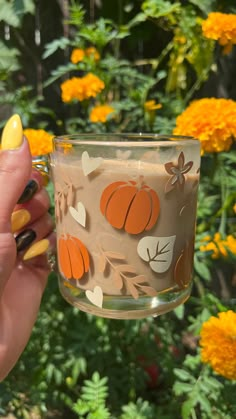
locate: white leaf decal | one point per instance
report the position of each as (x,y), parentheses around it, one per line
(157,251)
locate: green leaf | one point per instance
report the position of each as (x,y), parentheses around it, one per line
(59,72)
(203,400)
(80,407)
(8,59)
(205,6)
(202,269)
(140,17)
(179,311)
(52,47)
(183,374)
(160,8)
(187,407)
(22,7)
(8,14)
(182,388)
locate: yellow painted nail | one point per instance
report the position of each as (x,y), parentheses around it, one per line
(19,219)
(12,136)
(37,249)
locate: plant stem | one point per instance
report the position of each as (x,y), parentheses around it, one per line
(223,219)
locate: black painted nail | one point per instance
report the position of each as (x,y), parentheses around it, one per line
(29,191)
(24,239)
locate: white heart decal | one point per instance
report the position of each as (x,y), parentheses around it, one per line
(88,164)
(123,154)
(95,296)
(158,251)
(79,214)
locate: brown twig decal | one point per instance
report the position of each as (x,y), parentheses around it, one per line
(125,275)
(64,196)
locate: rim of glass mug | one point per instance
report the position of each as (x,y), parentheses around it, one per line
(126,139)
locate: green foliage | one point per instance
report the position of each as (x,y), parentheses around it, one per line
(139,410)
(8,61)
(12,12)
(91,404)
(161,8)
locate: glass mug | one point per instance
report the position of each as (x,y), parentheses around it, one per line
(125,208)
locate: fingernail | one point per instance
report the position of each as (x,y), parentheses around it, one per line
(24,239)
(12,136)
(37,249)
(29,191)
(19,219)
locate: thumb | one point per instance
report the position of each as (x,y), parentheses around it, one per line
(15,169)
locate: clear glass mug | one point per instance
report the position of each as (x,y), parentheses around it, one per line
(125,208)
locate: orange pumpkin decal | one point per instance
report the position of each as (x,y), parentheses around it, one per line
(130,205)
(73,257)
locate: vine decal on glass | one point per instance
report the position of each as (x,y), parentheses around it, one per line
(64,195)
(124,275)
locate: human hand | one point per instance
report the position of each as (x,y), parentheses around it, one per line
(26,235)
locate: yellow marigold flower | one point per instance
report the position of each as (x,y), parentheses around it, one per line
(100,113)
(212,121)
(218,344)
(81,88)
(40,141)
(234,208)
(92,52)
(231,244)
(222,28)
(151,105)
(180,39)
(218,246)
(211,247)
(77,55)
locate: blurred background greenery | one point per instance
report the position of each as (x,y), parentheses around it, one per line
(154,60)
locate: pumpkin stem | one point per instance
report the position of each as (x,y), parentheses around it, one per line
(140,182)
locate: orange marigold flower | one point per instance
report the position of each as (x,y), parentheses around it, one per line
(222,28)
(212,121)
(151,105)
(40,141)
(81,88)
(218,344)
(100,113)
(92,52)
(93,85)
(77,55)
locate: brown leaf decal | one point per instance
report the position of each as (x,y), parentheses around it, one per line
(70,195)
(124,275)
(102,263)
(127,268)
(118,280)
(184,266)
(149,290)
(114,255)
(133,291)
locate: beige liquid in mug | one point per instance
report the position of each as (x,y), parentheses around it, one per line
(125,229)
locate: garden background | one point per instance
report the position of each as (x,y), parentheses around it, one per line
(147,61)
